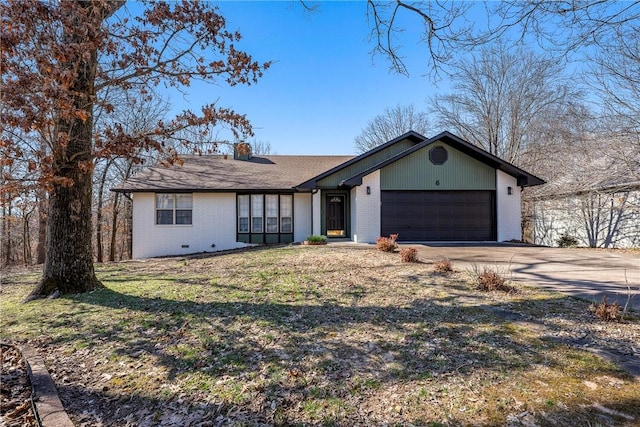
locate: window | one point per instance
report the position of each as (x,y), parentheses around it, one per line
(256,213)
(174,209)
(272,212)
(243,214)
(286,214)
(438,155)
(265,218)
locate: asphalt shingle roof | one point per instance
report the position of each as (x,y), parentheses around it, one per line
(215,173)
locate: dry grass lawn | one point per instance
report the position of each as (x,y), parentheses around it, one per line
(323,335)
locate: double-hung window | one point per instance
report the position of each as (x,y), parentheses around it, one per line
(257,211)
(272,212)
(286,213)
(174,209)
(243,213)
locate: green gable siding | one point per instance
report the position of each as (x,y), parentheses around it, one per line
(335,179)
(416,172)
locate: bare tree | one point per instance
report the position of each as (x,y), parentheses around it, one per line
(391,124)
(498,95)
(60,58)
(135,116)
(615,75)
(261,148)
(561,27)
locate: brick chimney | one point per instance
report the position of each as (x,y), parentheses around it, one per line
(241,151)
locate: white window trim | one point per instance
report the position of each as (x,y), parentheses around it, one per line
(173,209)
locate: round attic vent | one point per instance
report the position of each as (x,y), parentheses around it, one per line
(438,155)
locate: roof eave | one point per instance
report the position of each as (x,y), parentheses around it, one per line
(204,190)
(411,135)
(524,178)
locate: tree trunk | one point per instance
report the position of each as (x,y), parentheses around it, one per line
(68,266)
(69,261)
(26,237)
(7,234)
(114,227)
(103,178)
(5,243)
(42,227)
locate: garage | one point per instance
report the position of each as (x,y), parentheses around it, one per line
(439,215)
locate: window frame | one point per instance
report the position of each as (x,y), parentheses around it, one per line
(281,217)
(177,212)
(246,217)
(270,208)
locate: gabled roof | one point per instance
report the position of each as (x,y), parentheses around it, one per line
(525,179)
(215,173)
(291,173)
(411,136)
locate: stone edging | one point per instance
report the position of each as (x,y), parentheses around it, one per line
(50,411)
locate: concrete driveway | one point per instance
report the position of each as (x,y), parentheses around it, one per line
(583,273)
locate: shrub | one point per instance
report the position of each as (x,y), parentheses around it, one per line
(566,241)
(387,244)
(409,255)
(443,266)
(316,239)
(605,311)
(490,280)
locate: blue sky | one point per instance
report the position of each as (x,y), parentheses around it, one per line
(324,85)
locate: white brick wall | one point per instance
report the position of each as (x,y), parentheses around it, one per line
(301,216)
(317,211)
(508,207)
(214,223)
(366,209)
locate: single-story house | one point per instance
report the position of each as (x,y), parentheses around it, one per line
(425,189)
(604,214)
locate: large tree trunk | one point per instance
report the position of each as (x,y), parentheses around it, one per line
(68,267)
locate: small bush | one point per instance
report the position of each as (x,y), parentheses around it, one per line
(566,241)
(316,239)
(387,244)
(490,280)
(605,311)
(409,255)
(443,266)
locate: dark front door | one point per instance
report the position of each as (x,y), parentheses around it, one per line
(335,207)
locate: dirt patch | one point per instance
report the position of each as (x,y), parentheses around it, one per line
(321,335)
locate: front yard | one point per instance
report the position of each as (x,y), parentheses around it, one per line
(322,335)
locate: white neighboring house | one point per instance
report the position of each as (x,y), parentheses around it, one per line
(605,214)
(424,189)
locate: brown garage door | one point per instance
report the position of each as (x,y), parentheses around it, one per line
(438,215)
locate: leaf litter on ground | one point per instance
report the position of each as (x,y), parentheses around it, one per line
(320,335)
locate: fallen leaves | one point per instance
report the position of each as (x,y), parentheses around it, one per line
(343,336)
(15,389)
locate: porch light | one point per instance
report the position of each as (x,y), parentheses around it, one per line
(368,190)
(509,190)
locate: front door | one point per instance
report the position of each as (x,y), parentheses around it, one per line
(335,209)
